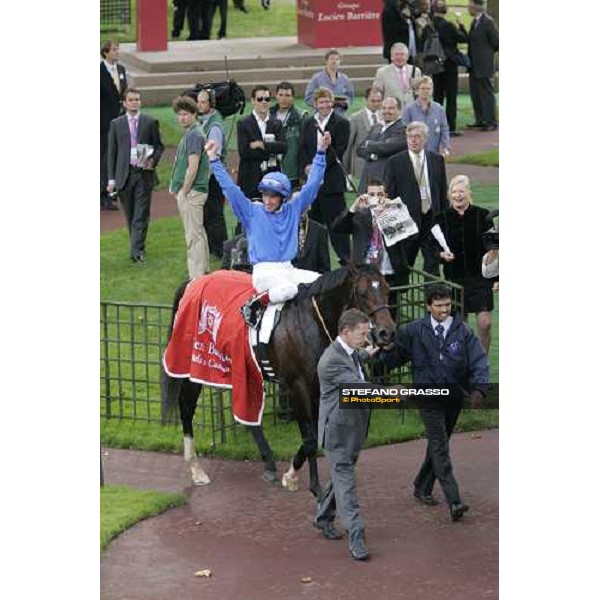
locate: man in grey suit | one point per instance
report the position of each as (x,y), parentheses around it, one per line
(342,431)
(397,78)
(383,141)
(361,123)
(133,180)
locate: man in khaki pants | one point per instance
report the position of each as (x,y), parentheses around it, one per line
(189,182)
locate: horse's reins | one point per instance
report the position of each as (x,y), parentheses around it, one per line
(322,321)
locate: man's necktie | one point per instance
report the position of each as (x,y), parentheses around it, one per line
(372,118)
(356,361)
(422,183)
(404,79)
(440,336)
(133,135)
(115,77)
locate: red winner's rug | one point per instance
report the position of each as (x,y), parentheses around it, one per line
(210,342)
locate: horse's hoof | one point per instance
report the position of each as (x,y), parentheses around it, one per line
(290,482)
(270,477)
(199,476)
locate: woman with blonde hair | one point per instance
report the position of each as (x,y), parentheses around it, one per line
(463,225)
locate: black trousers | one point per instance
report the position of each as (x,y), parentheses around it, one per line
(439,425)
(483,99)
(445,86)
(135,199)
(411,247)
(103,166)
(324,210)
(222,6)
(214,219)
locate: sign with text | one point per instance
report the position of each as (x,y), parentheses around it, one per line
(339,23)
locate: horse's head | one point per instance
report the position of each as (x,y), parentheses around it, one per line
(370,293)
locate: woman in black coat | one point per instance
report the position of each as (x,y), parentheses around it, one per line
(463,225)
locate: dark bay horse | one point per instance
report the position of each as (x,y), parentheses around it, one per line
(308,325)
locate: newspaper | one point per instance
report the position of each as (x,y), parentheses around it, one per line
(394,221)
(144,154)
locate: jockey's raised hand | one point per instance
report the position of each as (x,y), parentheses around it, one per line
(323,141)
(211,149)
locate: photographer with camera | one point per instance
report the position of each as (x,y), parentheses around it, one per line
(333,79)
(461,249)
(398,25)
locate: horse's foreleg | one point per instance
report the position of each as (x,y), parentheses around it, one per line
(266,453)
(308,450)
(188,399)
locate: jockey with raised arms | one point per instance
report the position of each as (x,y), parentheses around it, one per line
(272,228)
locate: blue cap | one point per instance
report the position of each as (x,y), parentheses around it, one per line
(276,183)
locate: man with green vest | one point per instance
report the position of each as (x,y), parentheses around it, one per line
(291,118)
(213,128)
(189,182)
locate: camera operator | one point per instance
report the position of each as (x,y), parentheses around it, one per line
(398,25)
(490,264)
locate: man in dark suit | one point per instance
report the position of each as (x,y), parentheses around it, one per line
(443,351)
(483,45)
(445,84)
(261,143)
(384,140)
(113,81)
(133,179)
(342,431)
(368,248)
(330,202)
(418,176)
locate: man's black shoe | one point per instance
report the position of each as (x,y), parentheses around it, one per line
(426,499)
(491,127)
(109,205)
(457,510)
(358,550)
(139,259)
(265,4)
(475,125)
(328,529)
(455,134)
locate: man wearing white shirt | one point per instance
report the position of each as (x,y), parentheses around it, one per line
(261,143)
(396,79)
(330,201)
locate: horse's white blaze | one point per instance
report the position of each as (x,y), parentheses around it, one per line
(290,480)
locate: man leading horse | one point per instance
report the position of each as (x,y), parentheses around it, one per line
(272,228)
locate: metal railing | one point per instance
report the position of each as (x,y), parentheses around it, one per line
(133,337)
(115,15)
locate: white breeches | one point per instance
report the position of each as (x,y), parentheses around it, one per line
(280,279)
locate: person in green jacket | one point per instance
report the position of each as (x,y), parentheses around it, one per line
(291,118)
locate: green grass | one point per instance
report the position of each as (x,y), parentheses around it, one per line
(490,158)
(280,20)
(121,507)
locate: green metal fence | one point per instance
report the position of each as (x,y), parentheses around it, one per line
(133,337)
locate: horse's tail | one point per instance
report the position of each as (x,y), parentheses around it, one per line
(170,387)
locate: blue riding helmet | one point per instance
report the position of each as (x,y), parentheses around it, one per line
(276,183)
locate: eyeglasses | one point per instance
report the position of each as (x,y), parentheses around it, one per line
(263,98)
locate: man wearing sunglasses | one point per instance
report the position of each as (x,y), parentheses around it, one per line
(261,143)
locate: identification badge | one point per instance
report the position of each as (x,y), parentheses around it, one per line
(423,189)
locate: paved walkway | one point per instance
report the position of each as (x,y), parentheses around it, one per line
(164,205)
(259,543)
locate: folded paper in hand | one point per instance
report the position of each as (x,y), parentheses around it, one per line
(144,154)
(394,221)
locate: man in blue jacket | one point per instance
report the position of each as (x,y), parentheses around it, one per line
(443,351)
(272,228)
